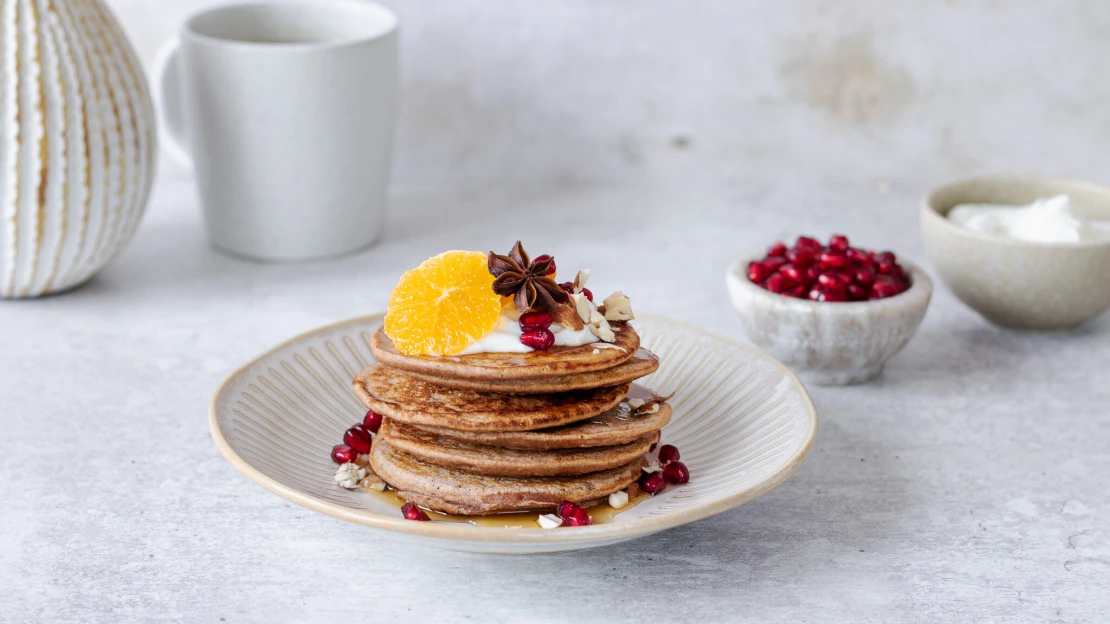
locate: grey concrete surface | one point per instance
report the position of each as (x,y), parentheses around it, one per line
(966,485)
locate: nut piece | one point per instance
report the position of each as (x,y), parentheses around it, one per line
(583,306)
(549,521)
(349,475)
(618,307)
(636,403)
(580,280)
(600,327)
(617,500)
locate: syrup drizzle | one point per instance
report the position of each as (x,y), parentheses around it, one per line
(599,514)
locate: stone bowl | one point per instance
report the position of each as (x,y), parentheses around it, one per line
(829,344)
(1019,284)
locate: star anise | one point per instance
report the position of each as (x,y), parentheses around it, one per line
(525,281)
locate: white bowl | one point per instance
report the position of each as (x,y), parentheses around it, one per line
(1013,283)
(743,422)
(829,344)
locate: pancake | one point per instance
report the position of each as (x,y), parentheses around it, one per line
(612,428)
(466,493)
(556,361)
(642,363)
(493,460)
(415,401)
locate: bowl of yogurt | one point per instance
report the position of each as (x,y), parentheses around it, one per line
(1023,252)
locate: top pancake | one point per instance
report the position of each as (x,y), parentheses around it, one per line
(415,401)
(557,361)
(641,364)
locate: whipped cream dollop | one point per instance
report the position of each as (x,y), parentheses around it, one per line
(1046,220)
(505,338)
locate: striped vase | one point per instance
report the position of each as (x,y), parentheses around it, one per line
(77,143)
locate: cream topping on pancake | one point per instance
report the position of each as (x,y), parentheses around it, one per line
(505,338)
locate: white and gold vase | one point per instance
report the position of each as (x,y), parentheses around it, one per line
(77,143)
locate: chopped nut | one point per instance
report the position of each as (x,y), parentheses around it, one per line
(635,403)
(566,314)
(618,307)
(583,306)
(363,460)
(651,467)
(372,482)
(600,327)
(349,475)
(549,521)
(580,280)
(596,351)
(633,489)
(651,405)
(618,500)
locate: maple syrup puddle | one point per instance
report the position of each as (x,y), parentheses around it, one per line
(599,514)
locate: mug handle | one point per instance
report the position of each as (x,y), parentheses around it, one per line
(167,98)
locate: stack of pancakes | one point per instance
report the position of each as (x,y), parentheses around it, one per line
(496,432)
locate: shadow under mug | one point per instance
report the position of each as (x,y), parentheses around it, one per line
(286,114)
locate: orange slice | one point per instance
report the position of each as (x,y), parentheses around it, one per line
(443,306)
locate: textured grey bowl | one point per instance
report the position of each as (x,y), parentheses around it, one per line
(829,344)
(1019,284)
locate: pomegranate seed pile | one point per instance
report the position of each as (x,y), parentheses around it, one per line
(834,272)
(673,472)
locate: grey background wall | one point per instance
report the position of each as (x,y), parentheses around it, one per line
(714,91)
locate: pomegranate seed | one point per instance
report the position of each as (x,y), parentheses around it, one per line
(801,257)
(839,242)
(776,283)
(589,295)
(531,321)
(358,438)
(341,454)
(372,421)
(667,454)
(805,242)
(798,291)
(812,271)
(791,274)
(578,517)
(828,280)
(773,263)
(886,268)
(567,287)
(676,473)
(540,339)
(863,276)
(756,272)
(411,512)
(653,483)
(834,260)
(858,292)
(566,508)
(550,267)
(886,256)
(860,257)
(830,295)
(778,249)
(884,287)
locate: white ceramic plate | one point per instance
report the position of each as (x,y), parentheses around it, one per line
(742,421)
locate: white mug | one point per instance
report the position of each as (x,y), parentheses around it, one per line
(285,112)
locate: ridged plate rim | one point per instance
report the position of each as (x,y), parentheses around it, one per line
(602,533)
